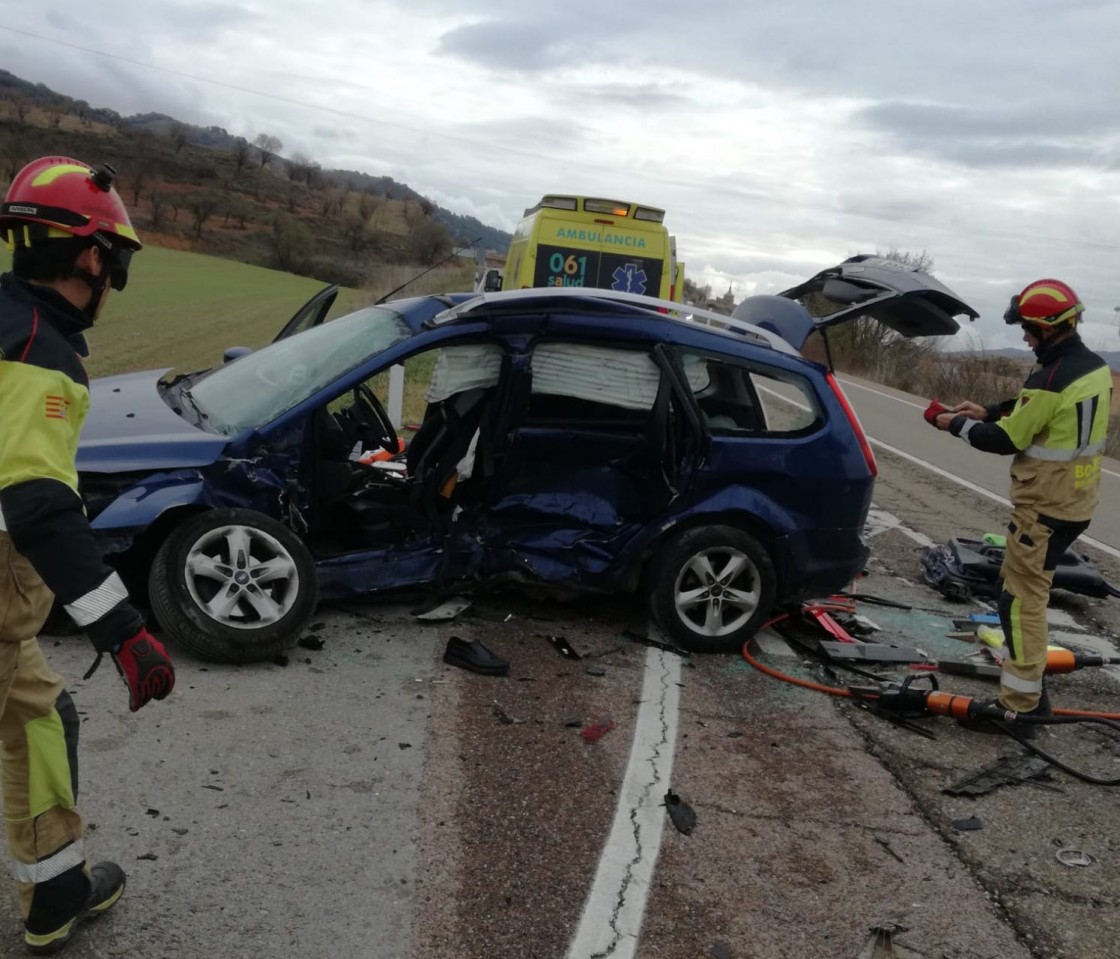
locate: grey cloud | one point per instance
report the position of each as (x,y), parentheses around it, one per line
(1002,52)
(514,45)
(645,97)
(1039,137)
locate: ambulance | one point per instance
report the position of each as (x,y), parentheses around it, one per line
(588,241)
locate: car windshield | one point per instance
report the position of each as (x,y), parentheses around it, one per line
(258,387)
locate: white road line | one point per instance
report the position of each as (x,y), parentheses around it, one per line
(1088,540)
(612,915)
(918,406)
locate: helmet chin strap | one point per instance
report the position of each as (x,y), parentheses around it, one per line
(97,286)
(1046,335)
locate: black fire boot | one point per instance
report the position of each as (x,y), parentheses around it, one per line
(45,933)
(1017,729)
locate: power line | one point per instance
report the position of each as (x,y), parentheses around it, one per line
(749,196)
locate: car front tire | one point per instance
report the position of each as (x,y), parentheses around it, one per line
(233,586)
(710,588)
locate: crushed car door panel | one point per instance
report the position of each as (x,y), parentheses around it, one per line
(586,464)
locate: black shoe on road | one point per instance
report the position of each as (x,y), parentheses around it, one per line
(106,887)
(475,657)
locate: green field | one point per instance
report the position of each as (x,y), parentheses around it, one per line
(182,310)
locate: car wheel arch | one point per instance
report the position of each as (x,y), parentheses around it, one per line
(738,519)
(133,562)
(710,585)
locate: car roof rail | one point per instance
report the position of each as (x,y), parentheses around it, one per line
(586,295)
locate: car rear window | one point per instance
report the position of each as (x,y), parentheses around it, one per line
(741,398)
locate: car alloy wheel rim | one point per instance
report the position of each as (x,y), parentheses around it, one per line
(717,591)
(241,577)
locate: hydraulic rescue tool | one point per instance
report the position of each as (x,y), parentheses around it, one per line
(916,701)
(1058,659)
(1067,661)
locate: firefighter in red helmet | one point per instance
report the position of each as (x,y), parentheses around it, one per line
(71,242)
(1055,432)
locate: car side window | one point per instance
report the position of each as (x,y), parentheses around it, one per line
(743,398)
(591,386)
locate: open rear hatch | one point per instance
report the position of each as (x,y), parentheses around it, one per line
(909,301)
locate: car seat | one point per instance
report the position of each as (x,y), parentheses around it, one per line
(440,444)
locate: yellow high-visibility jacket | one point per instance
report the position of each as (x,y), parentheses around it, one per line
(1056,429)
(44,397)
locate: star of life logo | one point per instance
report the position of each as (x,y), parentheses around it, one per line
(630,278)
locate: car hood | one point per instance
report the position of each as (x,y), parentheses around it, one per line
(130,428)
(907,299)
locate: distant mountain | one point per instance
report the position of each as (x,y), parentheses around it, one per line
(1111,357)
(463,229)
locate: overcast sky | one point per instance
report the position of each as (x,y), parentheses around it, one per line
(780,138)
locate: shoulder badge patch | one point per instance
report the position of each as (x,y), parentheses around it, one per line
(57,407)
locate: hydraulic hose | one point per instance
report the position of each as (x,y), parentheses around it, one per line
(785,677)
(1059,717)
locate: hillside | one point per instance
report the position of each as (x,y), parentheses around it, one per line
(205,190)
(1111,357)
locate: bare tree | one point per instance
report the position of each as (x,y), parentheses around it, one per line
(136,180)
(158,206)
(355,232)
(368,205)
(269,146)
(13,156)
(179,136)
(291,243)
(865,343)
(297,167)
(328,201)
(313,174)
(202,206)
(427,241)
(241,151)
(237,209)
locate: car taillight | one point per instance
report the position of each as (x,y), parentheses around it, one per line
(854,420)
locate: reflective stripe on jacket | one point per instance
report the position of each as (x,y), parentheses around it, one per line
(1056,428)
(44,397)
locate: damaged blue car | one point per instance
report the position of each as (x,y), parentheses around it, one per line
(576,438)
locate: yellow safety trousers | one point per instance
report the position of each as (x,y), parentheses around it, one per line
(1034,545)
(43,828)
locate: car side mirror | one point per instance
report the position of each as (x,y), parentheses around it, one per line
(235,353)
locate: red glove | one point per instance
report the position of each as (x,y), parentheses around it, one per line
(146,669)
(934,410)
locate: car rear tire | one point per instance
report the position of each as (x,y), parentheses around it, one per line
(710,588)
(233,586)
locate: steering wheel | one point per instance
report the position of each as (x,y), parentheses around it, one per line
(368,411)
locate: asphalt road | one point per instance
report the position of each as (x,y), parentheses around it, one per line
(893,419)
(364,800)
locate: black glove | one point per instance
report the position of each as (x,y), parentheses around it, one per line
(146,669)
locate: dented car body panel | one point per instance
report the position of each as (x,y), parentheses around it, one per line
(567,436)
